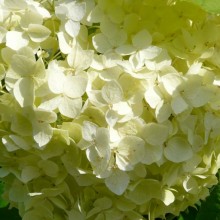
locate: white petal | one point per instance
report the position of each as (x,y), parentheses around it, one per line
(163,111)
(149,53)
(122,108)
(178,104)
(56,78)
(80,59)
(99,164)
(76,11)
(70,107)
(171,82)
(89,131)
(130,151)
(153,96)
(111,117)
(42,133)
(63,43)
(101,43)
(74,86)
(50,104)
(72,28)
(168,197)
(21,40)
(112,92)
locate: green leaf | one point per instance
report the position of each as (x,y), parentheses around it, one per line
(210,208)
(11,214)
(3,203)
(189,214)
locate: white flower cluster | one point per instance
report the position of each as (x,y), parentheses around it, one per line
(109,109)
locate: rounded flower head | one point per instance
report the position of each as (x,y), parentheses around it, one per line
(108,109)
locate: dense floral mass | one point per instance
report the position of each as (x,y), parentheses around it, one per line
(109,109)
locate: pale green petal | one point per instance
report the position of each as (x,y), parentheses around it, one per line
(108,28)
(103,203)
(18,191)
(155,134)
(152,154)
(50,168)
(145,190)
(119,38)
(29,173)
(199,95)
(38,33)
(125,49)
(102,141)
(178,150)
(20,142)
(22,65)
(96,15)
(21,125)
(30,17)
(142,39)
(13,4)
(24,92)
(74,86)
(117,182)
(15,142)
(124,204)
(42,133)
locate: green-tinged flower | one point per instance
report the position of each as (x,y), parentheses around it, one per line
(108,109)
